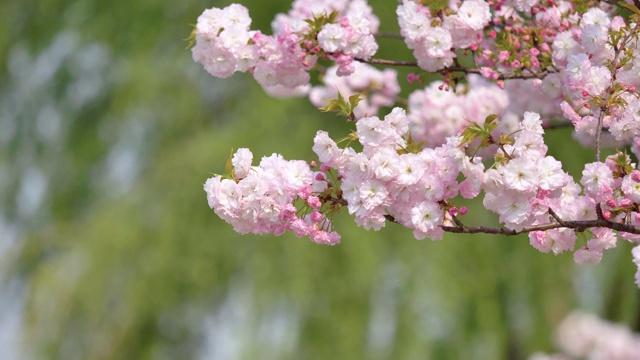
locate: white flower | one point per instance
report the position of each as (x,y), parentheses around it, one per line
(426,216)
(475,14)
(326,149)
(332,38)
(241,162)
(595,16)
(437,42)
(521,174)
(550,173)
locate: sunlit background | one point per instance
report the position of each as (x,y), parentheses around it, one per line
(108,249)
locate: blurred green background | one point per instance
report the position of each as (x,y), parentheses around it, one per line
(108,249)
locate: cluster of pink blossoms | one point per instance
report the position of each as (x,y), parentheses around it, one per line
(535,60)
(224,44)
(259,199)
(435,114)
(433,40)
(585,336)
(380,182)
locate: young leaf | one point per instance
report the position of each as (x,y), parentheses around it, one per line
(228,167)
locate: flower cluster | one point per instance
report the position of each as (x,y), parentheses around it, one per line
(585,336)
(224,44)
(350,38)
(433,38)
(435,114)
(384,181)
(260,199)
(522,189)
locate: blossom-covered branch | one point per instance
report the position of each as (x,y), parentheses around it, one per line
(478,133)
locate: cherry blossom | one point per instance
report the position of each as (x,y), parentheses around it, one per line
(506,73)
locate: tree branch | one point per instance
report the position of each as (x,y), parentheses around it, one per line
(558,126)
(577,225)
(388,35)
(530,75)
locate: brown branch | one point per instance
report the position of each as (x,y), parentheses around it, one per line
(560,125)
(388,35)
(577,225)
(530,75)
(387,62)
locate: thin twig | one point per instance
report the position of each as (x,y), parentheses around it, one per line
(558,126)
(388,35)
(577,225)
(530,75)
(387,62)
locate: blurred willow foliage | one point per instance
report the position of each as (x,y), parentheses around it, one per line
(123,259)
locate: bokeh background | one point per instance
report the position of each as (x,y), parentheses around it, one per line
(108,249)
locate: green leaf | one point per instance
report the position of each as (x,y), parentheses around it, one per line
(228,167)
(631,7)
(471,133)
(490,118)
(341,106)
(191,39)
(355,99)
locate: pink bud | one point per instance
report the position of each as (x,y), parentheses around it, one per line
(314,201)
(463,210)
(611,203)
(542,194)
(624,203)
(412,77)
(305,192)
(503,56)
(319,177)
(316,217)
(313,163)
